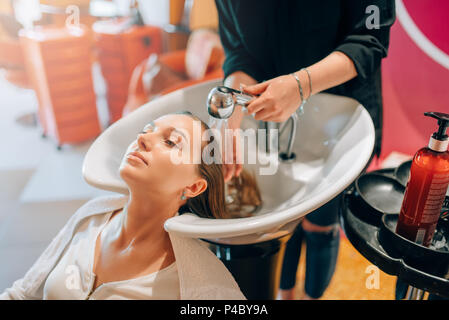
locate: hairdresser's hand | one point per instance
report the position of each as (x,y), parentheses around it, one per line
(279,98)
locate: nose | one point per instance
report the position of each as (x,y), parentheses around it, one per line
(143,141)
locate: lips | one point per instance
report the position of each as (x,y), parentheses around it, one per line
(138,155)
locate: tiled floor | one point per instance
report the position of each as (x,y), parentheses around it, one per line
(352,278)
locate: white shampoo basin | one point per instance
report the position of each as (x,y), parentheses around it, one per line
(334,142)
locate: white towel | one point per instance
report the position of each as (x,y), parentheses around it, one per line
(202,276)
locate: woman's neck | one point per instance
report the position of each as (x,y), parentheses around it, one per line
(142,223)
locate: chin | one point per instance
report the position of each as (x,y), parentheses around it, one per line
(133,177)
(127,173)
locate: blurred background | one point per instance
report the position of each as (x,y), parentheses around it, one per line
(71,68)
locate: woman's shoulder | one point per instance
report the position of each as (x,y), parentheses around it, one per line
(100,205)
(105,203)
(93,208)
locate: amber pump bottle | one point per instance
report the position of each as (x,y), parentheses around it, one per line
(426,187)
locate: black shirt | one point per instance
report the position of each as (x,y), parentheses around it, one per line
(269,38)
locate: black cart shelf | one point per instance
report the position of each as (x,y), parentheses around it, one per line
(364,237)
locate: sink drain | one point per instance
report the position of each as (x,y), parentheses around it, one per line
(284,157)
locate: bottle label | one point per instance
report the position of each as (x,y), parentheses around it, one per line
(435,199)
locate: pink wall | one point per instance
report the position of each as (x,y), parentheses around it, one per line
(415,75)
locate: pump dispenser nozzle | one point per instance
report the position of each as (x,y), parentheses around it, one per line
(439,139)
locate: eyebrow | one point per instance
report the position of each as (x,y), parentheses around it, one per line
(152,124)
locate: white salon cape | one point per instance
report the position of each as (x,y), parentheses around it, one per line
(63,271)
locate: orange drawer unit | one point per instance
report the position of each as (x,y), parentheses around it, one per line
(59,63)
(11,59)
(120,49)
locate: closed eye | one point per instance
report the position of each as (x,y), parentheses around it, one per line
(172,144)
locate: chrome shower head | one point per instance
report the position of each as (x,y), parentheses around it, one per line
(222,100)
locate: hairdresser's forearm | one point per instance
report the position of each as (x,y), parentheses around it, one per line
(333,70)
(234,80)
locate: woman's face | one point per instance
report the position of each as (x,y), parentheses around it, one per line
(151,162)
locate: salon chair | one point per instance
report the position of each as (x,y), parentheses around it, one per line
(120,46)
(201,61)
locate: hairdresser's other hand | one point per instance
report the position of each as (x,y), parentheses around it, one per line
(279,98)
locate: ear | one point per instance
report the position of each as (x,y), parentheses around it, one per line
(196,188)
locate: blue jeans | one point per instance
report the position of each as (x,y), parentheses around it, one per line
(322,251)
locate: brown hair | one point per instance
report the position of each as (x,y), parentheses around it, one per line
(211,203)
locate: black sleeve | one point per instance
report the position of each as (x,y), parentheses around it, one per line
(237,56)
(366,47)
